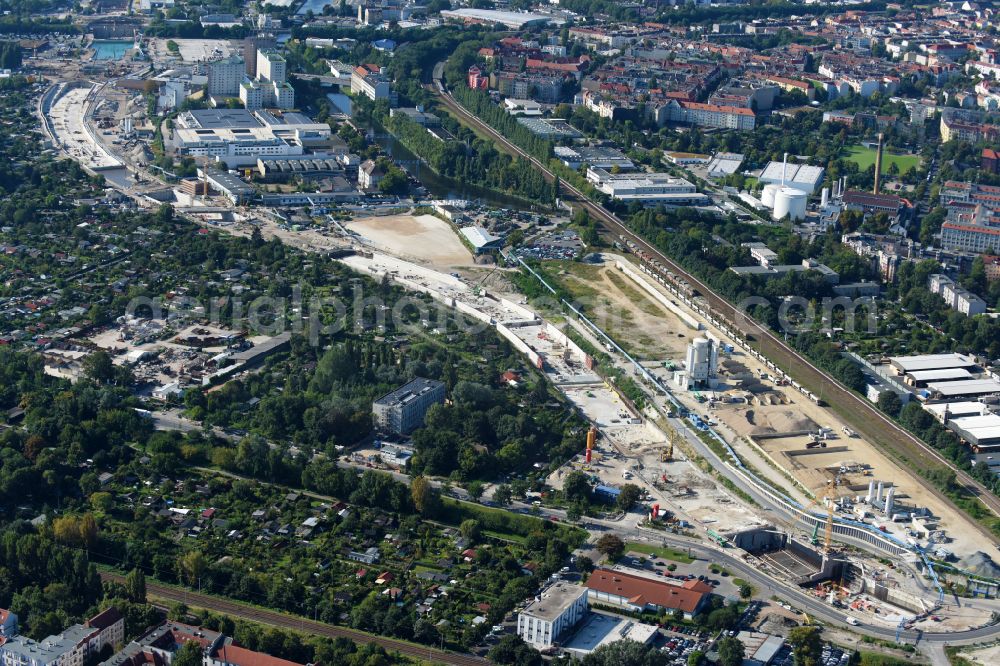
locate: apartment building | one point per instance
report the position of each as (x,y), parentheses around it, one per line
(402,411)
(158,646)
(710,115)
(225,77)
(977,238)
(369,81)
(556,610)
(956,297)
(270,89)
(71,647)
(271,66)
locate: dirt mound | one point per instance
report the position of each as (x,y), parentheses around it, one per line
(980,564)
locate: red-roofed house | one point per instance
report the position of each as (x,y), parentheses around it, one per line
(990,160)
(8,623)
(639,593)
(385,577)
(234,655)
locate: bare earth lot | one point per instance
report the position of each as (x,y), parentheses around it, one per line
(619,307)
(423,239)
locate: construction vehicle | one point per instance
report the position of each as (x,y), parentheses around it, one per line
(667,454)
(829,499)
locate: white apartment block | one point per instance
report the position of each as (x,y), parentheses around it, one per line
(369,81)
(225,76)
(271,66)
(559,608)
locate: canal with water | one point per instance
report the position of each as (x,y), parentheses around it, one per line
(441,187)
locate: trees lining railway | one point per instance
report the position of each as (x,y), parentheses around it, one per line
(863,417)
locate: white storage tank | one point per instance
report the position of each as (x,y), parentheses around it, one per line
(789,201)
(767,195)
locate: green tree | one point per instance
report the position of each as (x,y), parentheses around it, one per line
(192,565)
(189,654)
(731,652)
(807,648)
(746,591)
(503,495)
(627,652)
(512,650)
(425,498)
(576,487)
(102,501)
(135,586)
(475,490)
(470,529)
(889,402)
(629,495)
(694,659)
(611,545)
(98,366)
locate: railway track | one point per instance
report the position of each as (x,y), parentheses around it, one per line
(275,619)
(863,417)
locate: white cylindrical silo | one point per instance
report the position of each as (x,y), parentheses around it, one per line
(824,197)
(791,202)
(767,196)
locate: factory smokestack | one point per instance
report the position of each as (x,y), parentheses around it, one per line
(784,169)
(878,165)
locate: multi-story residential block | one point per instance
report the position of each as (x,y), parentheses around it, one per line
(369,81)
(270,89)
(966,125)
(476,79)
(556,610)
(225,76)
(402,411)
(978,238)
(710,115)
(71,647)
(991,265)
(158,646)
(955,296)
(271,66)
(369,175)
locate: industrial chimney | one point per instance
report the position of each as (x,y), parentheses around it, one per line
(878,165)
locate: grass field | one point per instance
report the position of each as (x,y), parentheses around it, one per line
(665,553)
(865,157)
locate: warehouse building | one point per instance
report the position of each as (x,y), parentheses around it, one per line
(970,388)
(596,156)
(639,593)
(906,364)
(981,432)
(512,20)
(802,177)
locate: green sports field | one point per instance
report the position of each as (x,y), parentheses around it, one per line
(865,157)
